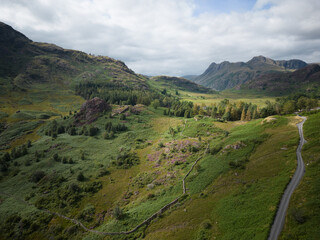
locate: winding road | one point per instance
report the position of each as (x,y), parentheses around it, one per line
(279,219)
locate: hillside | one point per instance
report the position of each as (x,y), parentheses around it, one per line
(190,77)
(306,79)
(180,84)
(25,64)
(228,75)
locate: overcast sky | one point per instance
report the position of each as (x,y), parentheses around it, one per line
(172,37)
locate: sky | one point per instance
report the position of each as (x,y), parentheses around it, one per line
(172,37)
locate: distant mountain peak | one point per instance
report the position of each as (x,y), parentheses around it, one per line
(261,59)
(228,75)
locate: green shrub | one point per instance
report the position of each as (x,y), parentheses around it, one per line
(56,157)
(117,213)
(92,187)
(87,213)
(80,177)
(126,160)
(93,131)
(215,149)
(37,176)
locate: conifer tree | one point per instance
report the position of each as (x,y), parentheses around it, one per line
(243,115)
(248,115)
(254,114)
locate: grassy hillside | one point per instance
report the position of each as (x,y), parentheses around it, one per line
(178,84)
(233,171)
(239,203)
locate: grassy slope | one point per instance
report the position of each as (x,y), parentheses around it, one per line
(219,196)
(238,204)
(178,84)
(303,219)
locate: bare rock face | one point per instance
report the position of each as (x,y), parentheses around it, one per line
(90,110)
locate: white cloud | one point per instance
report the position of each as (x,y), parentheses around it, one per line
(167,37)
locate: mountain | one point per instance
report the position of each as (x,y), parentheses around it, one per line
(190,77)
(228,75)
(307,78)
(25,64)
(180,84)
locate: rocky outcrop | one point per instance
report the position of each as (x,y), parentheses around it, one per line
(91,110)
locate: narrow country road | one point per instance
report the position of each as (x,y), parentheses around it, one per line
(284,203)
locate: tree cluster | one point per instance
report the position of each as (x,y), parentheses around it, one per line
(15,153)
(243,111)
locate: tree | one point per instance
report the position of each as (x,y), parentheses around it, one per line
(187,114)
(6,157)
(61,129)
(37,176)
(226,116)
(243,115)
(80,177)
(302,103)
(234,114)
(93,131)
(254,114)
(54,135)
(171,131)
(56,157)
(289,106)
(165,112)
(72,131)
(248,115)
(156,103)
(195,110)
(117,213)
(14,153)
(214,112)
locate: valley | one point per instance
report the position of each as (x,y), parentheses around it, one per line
(91,149)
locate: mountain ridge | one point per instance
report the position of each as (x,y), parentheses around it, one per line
(227,74)
(307,78)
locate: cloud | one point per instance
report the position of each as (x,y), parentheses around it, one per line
(171,36)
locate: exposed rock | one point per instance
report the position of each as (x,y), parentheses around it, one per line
(120,110)
(235,146)
(90,110)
